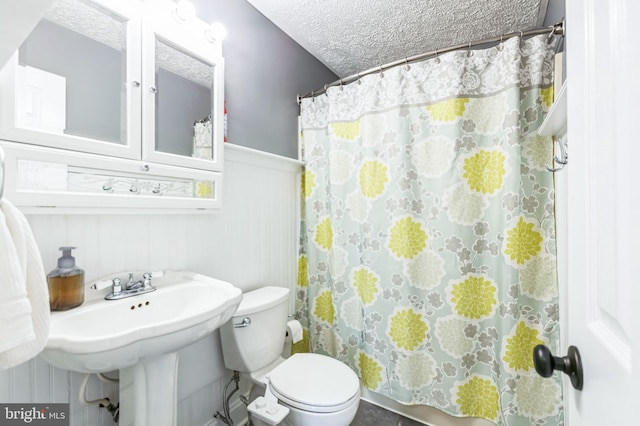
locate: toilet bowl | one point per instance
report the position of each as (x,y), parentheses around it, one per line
(316,389)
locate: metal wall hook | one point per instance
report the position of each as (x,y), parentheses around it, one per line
(563,159)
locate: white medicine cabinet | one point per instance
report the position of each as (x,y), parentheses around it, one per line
(134,85)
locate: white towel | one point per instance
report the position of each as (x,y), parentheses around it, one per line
(24,296)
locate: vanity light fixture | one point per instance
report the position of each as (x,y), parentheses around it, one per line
(215,32)
(184,11)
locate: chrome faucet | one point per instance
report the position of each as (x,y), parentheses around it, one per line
(133,288)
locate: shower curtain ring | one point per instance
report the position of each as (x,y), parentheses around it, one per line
(437,58)
(358,78)
(313,98)
(406,64)
(469,51)
(341,86)
(381,74)
(551,33)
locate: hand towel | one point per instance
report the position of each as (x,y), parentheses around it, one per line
(24,296)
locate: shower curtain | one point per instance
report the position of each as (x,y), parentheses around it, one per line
(427,258)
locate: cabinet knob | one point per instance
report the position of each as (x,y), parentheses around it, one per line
(153,89)
(145,167)
(135,83)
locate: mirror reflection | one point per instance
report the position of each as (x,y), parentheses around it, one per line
(72,73)
(183,103)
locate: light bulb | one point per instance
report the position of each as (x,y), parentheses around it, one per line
(184,11)
(215,32)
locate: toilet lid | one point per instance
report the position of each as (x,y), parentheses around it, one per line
(315,382)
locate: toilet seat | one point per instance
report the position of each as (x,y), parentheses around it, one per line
(314,382)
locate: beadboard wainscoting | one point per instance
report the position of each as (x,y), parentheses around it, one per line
(251,242)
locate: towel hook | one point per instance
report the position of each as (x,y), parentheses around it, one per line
(563,159)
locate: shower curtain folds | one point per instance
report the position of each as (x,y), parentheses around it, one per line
(427,259)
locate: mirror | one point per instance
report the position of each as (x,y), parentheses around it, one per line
(184,103)
(71,77)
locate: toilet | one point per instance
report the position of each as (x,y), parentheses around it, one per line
(316,389)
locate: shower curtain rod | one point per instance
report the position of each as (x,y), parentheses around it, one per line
(556,29)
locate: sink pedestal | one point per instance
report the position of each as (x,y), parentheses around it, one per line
(148,392)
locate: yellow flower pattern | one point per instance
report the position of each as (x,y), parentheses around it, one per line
(373,178)
(324,309)
(523,242)
(204,189)
(484,171)
(546,95)
(308,183)
(407,329)
(347,131)
(303,345)
(474,297)
(407,238)
(478,397)
(365,283)
(370,371)
(448,110)
(303,271)
(519,349)
(324,234)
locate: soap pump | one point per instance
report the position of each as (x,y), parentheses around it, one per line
(66,283)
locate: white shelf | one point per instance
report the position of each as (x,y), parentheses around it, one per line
(555,123)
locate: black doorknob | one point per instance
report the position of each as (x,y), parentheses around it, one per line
(571,364)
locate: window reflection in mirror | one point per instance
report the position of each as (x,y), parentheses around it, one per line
(73,71)
(183,103)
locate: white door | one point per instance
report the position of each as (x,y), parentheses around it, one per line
(603,174)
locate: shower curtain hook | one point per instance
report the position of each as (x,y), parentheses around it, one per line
(325,90)
(437,58)
(358,78)
(406,64)
(341,86)
(381,74)
(313,98)
(551,33)
(469,52)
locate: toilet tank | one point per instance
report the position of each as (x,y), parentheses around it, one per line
(250,347)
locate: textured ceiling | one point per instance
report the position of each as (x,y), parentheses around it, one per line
(350,36)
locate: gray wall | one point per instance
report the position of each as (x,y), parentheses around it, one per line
(264,71)
(555,12)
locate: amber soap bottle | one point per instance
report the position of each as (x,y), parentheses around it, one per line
(66,283)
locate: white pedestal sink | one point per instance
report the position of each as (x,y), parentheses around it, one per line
(140,336)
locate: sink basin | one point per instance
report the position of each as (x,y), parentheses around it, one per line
(102,335)
(140,336)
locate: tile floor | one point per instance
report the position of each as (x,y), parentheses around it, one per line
(371,415)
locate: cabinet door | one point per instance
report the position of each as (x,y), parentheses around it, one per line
(182,95)
(75,81)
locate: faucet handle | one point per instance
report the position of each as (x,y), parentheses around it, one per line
(146,277)
(116,286)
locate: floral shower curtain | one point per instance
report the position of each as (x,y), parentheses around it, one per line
(427,257)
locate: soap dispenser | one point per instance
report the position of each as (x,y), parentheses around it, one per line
(66,283)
